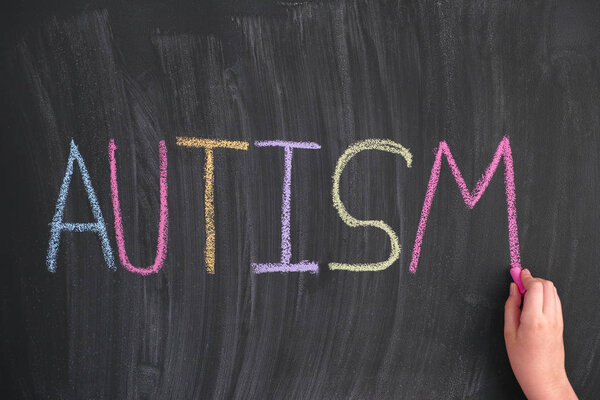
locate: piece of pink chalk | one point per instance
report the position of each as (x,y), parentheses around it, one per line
(515,272)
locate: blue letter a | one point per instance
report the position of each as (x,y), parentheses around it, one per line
(57,225)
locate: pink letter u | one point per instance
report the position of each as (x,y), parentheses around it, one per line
(163,224)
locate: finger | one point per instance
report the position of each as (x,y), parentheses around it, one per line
(533,301)
(512,312)
(549,298)
(559,314)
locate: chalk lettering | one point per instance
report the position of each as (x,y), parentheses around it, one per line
(57,225)
(163,224)
(471,199)
(209,195)
(285,264)
(369,144)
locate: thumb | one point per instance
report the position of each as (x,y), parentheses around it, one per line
(512,312)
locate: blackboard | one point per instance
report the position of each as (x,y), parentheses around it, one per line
(224,199)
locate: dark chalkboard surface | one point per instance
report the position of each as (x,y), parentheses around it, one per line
(255,200)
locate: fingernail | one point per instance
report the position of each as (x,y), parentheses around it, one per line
(527,271)
(512,288)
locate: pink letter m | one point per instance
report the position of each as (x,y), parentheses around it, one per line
(471,198)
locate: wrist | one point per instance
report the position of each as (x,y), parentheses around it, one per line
(565,391)
(560,389)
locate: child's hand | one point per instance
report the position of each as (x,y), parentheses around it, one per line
(534,340)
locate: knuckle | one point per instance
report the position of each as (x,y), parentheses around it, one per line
(536,285)
(548,285)
(534,323)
